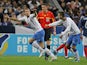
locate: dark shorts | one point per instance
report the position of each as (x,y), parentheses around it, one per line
(48,33)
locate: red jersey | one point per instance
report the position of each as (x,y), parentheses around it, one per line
(45,18)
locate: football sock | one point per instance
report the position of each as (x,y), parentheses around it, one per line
(46,55)
(60,47)
(85,51)
(66,51)
(36,45)
(49,52)
(76,54)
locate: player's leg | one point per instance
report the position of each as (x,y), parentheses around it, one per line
(41,40)
(66,52)
(47,40)
(75,53)
(59,48)
(85,45)
(46,50)
(69,42)
(42,46)
(34,40)
(39,37)
(75,41)
(64,39)
(35,44)
(48,46)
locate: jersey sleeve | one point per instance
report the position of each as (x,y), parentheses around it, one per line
(38,15)
(52,17)
(32,16)
(80,23)
(68,27)
(59,22)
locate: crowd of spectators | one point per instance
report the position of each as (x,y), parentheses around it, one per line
(11,10)
(74,8)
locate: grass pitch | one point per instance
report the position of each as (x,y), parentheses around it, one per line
(35,60)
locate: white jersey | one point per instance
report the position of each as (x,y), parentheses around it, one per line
(22,18)
(33,23)
(69,24)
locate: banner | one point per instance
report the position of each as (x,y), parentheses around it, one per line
(17,44)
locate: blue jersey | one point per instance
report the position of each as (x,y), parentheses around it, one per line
(83,25)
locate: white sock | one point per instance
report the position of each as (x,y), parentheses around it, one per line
(36,45)
(49,52)
(77,55)
(71,50)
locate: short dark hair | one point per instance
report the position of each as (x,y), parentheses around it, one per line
(62,14)
(46,4)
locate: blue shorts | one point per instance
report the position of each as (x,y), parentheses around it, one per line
(39,36)
(73,39)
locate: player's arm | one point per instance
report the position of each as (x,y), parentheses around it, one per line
(33,17)
(80,26)
(18,22)
(53,20)
(59,22)
(21,19)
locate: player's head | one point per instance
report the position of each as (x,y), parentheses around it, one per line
(27,12)
(44,7)
(61,15)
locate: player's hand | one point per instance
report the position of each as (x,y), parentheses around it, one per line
(46,25)
(61,36)
(54,33)
(81,37)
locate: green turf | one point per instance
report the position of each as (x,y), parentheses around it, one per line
(33,60)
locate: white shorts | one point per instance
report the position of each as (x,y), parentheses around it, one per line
(84,40)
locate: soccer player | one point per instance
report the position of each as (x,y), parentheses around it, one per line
(74,37)
(46,17)
(38,37)
(83,27)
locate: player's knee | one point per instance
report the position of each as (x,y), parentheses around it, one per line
(31,41)
(73,47)
(68,47)
(41,44)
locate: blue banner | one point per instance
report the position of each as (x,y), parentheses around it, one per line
(17,44)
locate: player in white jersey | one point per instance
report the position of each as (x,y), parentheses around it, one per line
(74,37)
(38,38)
